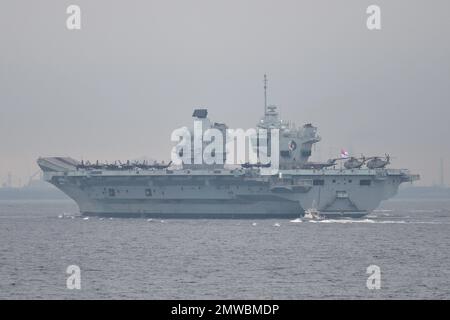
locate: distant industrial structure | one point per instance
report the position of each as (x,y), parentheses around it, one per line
(8,183)
(15,182)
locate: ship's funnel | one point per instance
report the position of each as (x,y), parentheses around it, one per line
(200,113)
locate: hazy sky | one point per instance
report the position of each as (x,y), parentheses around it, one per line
(118,87)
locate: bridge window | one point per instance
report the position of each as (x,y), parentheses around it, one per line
(285,153)
(306,153)
(365,182)
(111,192)
(318,182)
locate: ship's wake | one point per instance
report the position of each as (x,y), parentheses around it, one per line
(343,221)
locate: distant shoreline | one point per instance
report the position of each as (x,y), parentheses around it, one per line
(424,193)
(27,193)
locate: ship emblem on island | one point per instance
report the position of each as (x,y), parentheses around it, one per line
(340,187)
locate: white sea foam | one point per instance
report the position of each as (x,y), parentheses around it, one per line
(429,222)
(342,221)
(296,220)
(424,211)
(65,215)
(388,221)
(276,225)
(359,221)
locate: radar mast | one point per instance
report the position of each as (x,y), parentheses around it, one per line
(265,94)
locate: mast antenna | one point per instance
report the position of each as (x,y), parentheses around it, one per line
(265,94)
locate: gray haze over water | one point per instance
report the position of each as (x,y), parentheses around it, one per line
(118,87)
(224,259)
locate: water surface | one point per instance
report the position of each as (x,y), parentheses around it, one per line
(224,259)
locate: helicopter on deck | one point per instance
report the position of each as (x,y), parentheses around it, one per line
(354,163)
(378,162)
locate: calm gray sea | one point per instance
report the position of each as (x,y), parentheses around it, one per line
(224,259)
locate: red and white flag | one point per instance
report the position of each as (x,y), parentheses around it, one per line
(344,154)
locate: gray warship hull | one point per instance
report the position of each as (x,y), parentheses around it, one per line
(234,193)
(196,187)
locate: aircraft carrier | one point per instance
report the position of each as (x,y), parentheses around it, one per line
(340,187)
